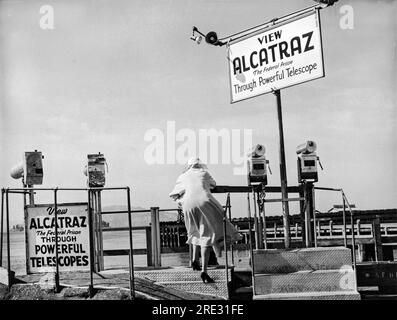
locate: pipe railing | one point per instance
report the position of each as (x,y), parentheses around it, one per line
(155,228)
(153,235)
(345,203)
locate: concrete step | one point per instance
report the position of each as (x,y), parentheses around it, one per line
(187,280)
(305,281)
(336,295)
(287,261)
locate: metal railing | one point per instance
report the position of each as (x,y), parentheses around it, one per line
(154,234)
(261,240)
(154,245)
(346,203)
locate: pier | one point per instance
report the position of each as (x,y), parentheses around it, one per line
(371,235)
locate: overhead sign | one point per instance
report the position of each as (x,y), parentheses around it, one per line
(282,56)
(73,237)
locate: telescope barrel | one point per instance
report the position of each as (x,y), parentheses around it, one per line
(17,171)
(307,147)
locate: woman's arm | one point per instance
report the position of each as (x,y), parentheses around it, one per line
(178,190)
(210,180)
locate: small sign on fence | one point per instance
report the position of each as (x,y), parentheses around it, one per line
(73,237)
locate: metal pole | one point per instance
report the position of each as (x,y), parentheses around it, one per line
(344,223)
(307,217)
(261,205)
(225,240)
(132,280)
(260,221)
(56,242)
(96,224)
(96,229)
(353,239)
(92,205)
(24,195)
(25,219)
(153,233)
(283,173)
(314,218)
(158,245)
(352,227)
(2,231)
(256,224)
(250,242)
(91,287)
(31,195)
(302,206)
(8,241)
(100,233)
(230,219)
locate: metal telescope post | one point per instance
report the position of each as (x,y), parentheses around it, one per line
(91,240)
(1,227)
(261,206)
(57,287)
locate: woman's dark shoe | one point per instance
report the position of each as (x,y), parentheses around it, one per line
(195,265)
(206,278)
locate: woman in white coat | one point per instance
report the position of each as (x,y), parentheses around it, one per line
(203,214)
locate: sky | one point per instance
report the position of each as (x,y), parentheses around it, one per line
(110,72)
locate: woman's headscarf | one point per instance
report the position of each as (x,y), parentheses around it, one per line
(195,163)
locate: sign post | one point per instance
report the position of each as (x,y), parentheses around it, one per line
(283,173)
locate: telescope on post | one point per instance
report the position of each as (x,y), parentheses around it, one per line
(307,162)
(95,170)
(96,178)
(30,169)
(257,165)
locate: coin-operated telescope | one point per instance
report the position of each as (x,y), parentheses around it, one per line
(257,165)
(30,168)
(307,162)
(95,170)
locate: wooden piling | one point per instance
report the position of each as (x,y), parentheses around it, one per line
(377,238)
(155,236)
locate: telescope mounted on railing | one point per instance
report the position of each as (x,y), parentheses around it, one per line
(30,169)
(95,170)
(307,147)
(257,165)
(307,162)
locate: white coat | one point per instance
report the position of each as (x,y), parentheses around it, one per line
(203,213)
